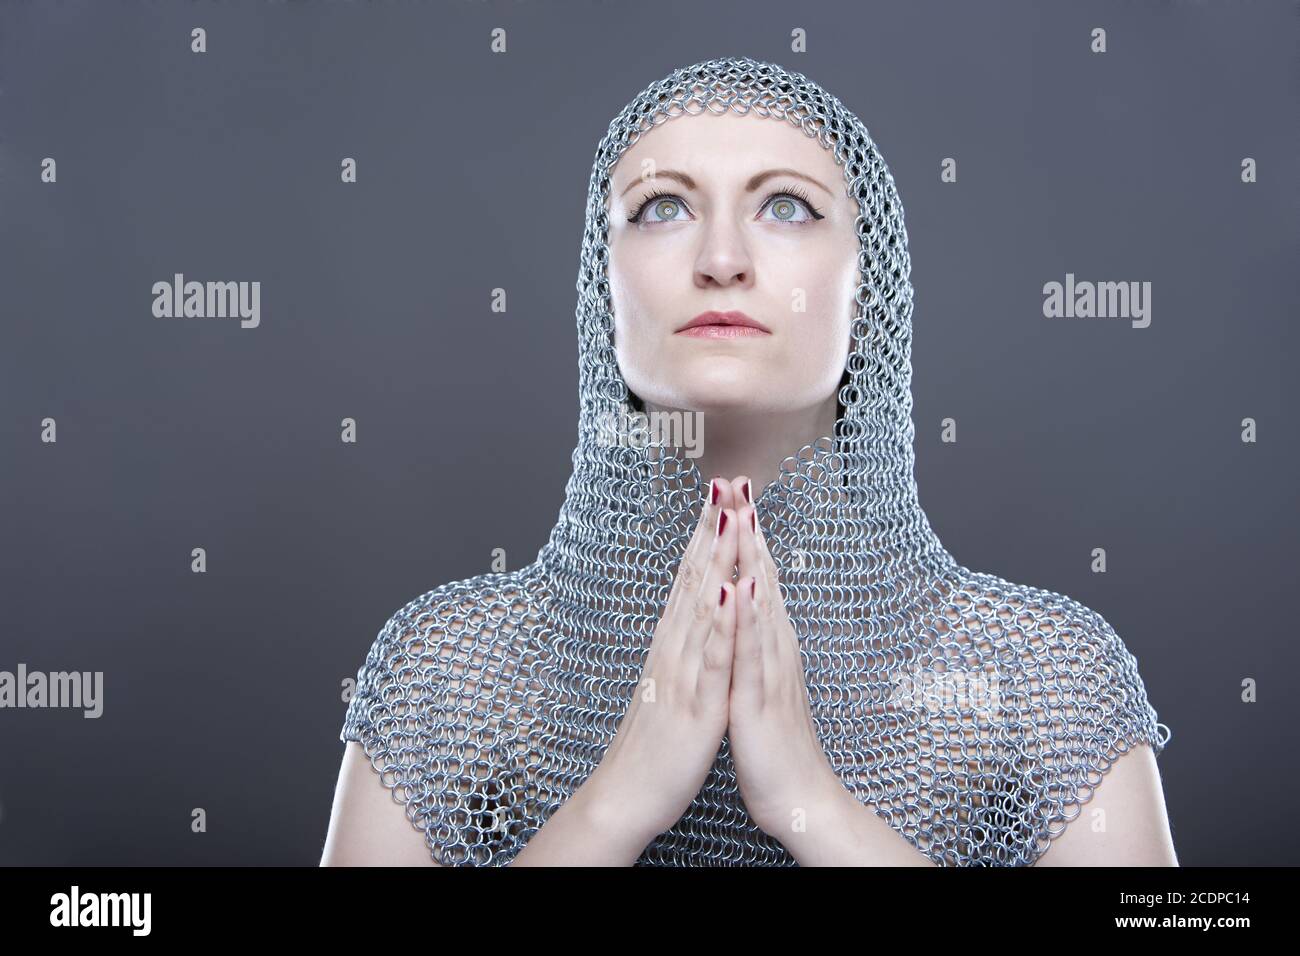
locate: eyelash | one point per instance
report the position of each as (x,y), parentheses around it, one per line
(794,192)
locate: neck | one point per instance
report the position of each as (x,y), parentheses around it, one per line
(753,443)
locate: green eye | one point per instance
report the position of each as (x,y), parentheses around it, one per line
(666,208)
(658,207)
(786,208)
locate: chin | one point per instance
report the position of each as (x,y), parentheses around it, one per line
(714,397)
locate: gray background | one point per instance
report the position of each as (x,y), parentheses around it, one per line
(222,690)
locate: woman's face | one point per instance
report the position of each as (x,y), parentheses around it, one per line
(753,217)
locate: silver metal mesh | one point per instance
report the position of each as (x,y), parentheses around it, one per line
(974,715)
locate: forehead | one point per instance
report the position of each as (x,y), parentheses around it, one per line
(718,148)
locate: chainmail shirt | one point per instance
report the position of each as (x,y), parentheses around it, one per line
(974,715)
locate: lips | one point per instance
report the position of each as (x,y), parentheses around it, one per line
(724,325)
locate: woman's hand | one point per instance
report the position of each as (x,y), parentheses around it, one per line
(672,731)
(781,769)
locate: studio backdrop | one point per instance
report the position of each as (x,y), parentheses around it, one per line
(205,518)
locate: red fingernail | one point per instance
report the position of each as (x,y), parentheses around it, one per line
(722,598)
(748,494)
(752,585)
(713,491)
(722,521)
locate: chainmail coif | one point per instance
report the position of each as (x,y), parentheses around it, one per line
(974,715)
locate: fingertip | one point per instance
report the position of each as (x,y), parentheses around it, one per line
(725,612)
(726,521)
(749,596)
(746,590)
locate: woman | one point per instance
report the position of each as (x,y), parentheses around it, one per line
(782,665)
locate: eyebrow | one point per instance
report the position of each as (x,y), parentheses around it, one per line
(754,182)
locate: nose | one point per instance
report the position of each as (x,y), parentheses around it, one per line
(723,258)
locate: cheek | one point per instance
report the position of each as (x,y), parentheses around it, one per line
(831,286)
(628,291)
(622,294)
(636,290)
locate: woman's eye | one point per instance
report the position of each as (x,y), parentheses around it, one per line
(783,206)
(787,209)
(663,209)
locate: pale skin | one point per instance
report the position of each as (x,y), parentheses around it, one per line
(734,667)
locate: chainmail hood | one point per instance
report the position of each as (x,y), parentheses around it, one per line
(974,715)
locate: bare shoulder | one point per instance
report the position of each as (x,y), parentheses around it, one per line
(368,827)
(1124,824)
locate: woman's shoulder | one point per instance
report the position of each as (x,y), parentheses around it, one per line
(450,646)
(1028,618)
(438,691)
(1060,662)
(1046,700)
(485,602)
